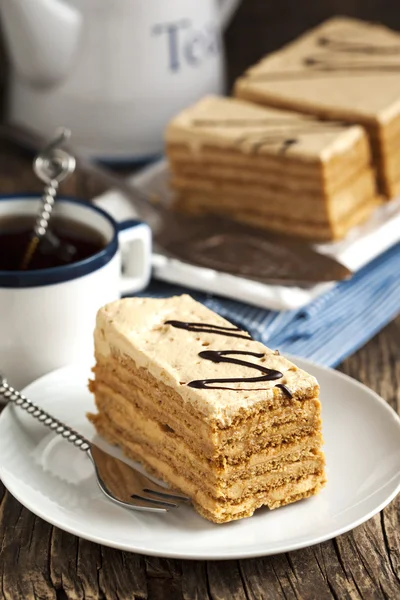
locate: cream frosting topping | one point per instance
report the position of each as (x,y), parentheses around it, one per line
(235,124)
(137,327)
(344,68)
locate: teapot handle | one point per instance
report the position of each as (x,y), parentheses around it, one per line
(226,11)
(42,37)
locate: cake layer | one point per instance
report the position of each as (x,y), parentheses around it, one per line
(235,490)
(390,163)
(393,188)
(156,434)
(276,201)
(232,459)
(386,134)
(315,185)
(239,449)
(286,494)
(325,177)
(134,388)
(218,510)
(316,231)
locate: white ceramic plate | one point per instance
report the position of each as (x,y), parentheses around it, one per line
(55,481)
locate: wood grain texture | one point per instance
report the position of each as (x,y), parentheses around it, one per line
(41,562)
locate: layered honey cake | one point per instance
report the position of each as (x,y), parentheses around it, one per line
(212,412)
(271,168)
(344,69)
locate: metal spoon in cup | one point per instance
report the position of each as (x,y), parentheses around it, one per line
(53,165)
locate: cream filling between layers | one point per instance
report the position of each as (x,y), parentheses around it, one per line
(235,449)
(234,491)
(309,230)
(141,389)
(277,171)
(142,429)
(219,508)
(213,195)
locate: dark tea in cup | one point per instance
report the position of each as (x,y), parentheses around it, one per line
(66,242)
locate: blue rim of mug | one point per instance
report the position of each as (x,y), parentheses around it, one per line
(53,275)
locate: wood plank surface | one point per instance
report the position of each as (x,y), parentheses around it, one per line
(41,562)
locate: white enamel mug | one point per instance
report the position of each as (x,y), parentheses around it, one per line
(47,316)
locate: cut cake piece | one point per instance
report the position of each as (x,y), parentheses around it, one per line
(343,69)
(271,168)
(212,412)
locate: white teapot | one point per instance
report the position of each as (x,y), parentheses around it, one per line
(113,71)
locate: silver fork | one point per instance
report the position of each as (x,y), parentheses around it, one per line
(120,482)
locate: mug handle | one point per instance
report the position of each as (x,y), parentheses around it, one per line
(226,11)
(134,239)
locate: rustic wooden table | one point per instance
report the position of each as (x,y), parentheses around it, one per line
(41,562)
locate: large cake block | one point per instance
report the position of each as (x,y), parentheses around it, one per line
(203,406)
(275,169)
(346,70)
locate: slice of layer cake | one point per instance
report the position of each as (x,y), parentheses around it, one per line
(271,168)
(343,69)
(203,406)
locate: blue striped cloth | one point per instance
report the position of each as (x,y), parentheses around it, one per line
(327,330)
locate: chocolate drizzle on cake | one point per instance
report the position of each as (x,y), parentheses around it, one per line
(270,134)
(284,139)
(284,389)
(257,141)
(240,123)
(326,62)
(347,46)
(225,356)
(338,55)
(210,328)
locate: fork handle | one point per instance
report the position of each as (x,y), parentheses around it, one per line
(69,434)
